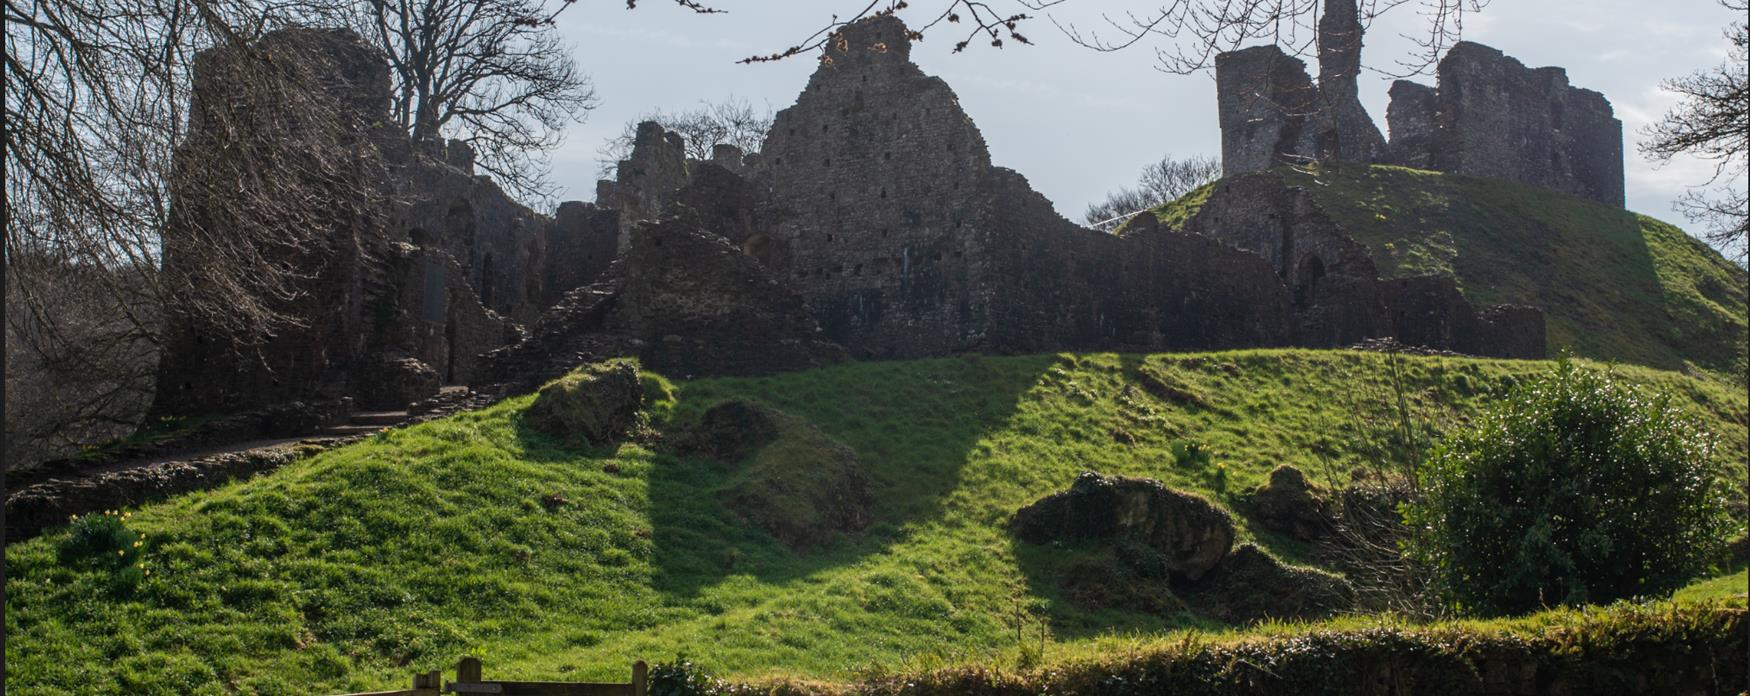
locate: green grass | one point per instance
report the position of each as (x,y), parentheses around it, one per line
(1723,587)
(1614,285)
(353,569)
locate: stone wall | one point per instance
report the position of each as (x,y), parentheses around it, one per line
(237,115)
(874,224)
(1272,113)
(906,241)
(1337,297)
(1490,116)
(1500,119)
(416,258)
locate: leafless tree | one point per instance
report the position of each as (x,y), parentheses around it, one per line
(1186,34)
(1159,183)
(731,121)
(1713,122)
(98,96)
(492,73)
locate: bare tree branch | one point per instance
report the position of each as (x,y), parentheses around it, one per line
(1712,122)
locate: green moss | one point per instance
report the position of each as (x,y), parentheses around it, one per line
(350,570)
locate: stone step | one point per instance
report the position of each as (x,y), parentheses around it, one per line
(378,418)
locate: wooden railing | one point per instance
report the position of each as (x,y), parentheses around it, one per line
(469,681)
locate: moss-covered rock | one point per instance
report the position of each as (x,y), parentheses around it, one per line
(1291,505)
(594,404)
(799,485)
(1189,533)
(1250,584)
(730,431)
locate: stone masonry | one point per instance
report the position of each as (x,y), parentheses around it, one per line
(430,267)
(872,225)
(1490,116)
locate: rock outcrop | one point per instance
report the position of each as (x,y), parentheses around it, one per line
(1170,551)
(799,485)
(1190,534)
(594,405)
(1291,505)
(1250,585)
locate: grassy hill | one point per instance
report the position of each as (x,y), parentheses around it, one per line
(1614,285)
(477,534)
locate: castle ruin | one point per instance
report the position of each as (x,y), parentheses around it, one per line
(1488,116)
(872,225)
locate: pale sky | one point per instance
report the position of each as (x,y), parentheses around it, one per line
(1079,123)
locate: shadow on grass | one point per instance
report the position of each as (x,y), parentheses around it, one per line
(913,426)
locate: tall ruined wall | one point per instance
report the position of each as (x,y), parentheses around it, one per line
(415,259)
(1500,119)
(238,114)
(1412,118)
(1263,99)
(1272,113)
(875,169)
(1490,116)
(905,240)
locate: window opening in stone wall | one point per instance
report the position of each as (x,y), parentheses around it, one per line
(883,193)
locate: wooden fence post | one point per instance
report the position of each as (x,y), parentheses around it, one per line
(640,679)
(468,669)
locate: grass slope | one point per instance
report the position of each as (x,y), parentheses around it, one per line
(1615,285)
(366,563)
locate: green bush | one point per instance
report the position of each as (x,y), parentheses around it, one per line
(1574,489)
(681,678)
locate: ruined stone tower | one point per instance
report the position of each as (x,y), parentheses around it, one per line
(1271,113)
(1490,116)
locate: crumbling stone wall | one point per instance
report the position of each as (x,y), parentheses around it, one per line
(906,241)
(1264,99)
(1271,113)
(1413,120)
(203,369)
(876,167)
(422,260)
(1337,296)
(1329,277)
(1498,118)
(1491,116)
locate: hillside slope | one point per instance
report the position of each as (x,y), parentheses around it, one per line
(1614,285)
(477,534)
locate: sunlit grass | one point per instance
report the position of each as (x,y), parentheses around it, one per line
(352,570)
